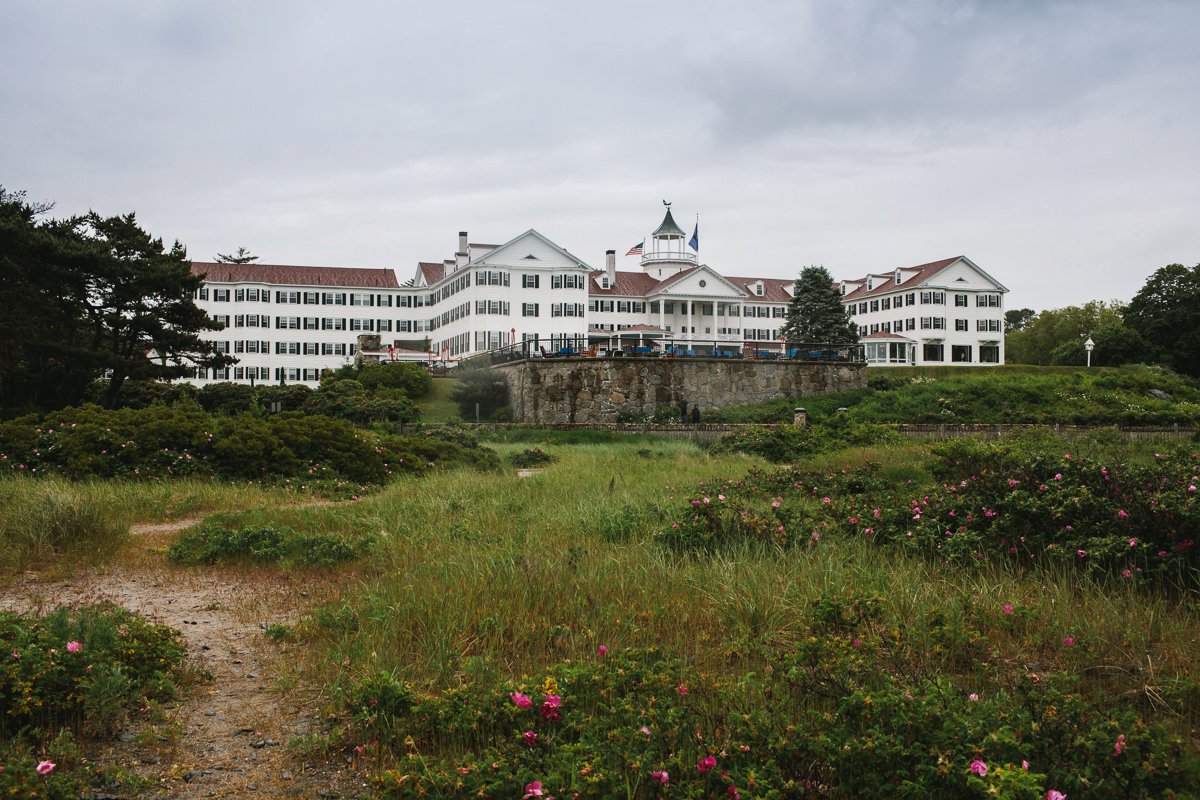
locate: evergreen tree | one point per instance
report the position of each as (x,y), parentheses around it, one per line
(88,297)
(242,256)
(815,314)
(1166,312)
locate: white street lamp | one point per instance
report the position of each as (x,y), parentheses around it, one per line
(1089,345)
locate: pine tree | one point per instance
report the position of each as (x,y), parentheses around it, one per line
(815,314)
(242,256)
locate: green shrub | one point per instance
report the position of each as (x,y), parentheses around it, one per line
(531,457)
(212,542)
(414,380)
(480,387)
(44,517)
(824,720)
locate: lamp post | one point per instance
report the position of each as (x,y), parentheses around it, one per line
(1089,345)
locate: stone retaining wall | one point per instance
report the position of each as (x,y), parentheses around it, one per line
(592,390)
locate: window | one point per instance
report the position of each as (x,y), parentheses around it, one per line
(960,301)
(486,277)
(491,307)
(283,374)
(932,352)
(987,300)
(885,304)
(312,323)
(990,325)
(961,325)
(910,299)
(312,298)
(566,281)
(862,308)
(874,305)
(778,312)
(220,295)
(383,325)
(287,348)
(292,323)
(361,324)
(202,293)
(529,309)
(960,353)
(310,348)
(312,374)
(989,354)
(221,347)
(933,298)
(530,281)
(361,299)
(933,323)
(333,324)
(333,299)
(383,301)
(287,297)
(623,306)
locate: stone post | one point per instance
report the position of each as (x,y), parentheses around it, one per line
(800,418)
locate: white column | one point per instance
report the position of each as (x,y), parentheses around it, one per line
(689,319)
(662,313)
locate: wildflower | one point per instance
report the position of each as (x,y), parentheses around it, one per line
(774,504)
(979,768)
(530,738)
(1008,609)
(45,767)
(974,698)
(733,793)
(1081,553)
(876,513)
(1025,765)
(533,789)
(1126,574)
(1058,476)
(1192,489)
(520,700)
(1122,514)
(705,764)
(1055,794)
(661,776)
(1119,747)
(1068,641)
(682,690)
(1011,482)
(550,707)
(74,647)
(1133,542)
(16,655)
(602,650)
(645,730)
(826,500)
(359,748)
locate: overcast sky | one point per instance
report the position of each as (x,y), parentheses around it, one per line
(1057,144)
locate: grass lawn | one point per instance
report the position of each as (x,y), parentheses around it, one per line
(437,406)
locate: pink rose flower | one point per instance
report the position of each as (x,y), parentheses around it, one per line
(1055,794)
(979,768)
(705,764)
(602,650)
(74,647)
(662,777)
(533,789)
(45,767)
(520,700)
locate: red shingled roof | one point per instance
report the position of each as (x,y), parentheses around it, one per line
(877,336)
(772,289)
(625,284)
(354,277)
(433,271)
(888,283)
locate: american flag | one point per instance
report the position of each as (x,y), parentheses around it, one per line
(636,250)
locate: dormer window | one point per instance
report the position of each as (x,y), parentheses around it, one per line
(759,289)
(604,282)
(870,283)
(843,287)
(898,277)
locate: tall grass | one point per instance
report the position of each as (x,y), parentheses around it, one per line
(42,518)
(505,577)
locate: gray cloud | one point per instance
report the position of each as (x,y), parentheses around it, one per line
(1053,142)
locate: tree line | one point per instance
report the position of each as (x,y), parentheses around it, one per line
(1160,325)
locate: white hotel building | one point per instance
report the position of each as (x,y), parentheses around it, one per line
(288,323)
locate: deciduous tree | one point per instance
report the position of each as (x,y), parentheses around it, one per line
(1166,311)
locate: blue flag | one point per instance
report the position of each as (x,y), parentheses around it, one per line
(694,243)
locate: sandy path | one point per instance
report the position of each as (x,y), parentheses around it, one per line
(233,732)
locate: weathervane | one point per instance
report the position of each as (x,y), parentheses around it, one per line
(667,203)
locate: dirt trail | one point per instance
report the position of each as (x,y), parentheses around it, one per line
(231,733)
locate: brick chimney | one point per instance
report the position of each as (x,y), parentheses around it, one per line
(610,266)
